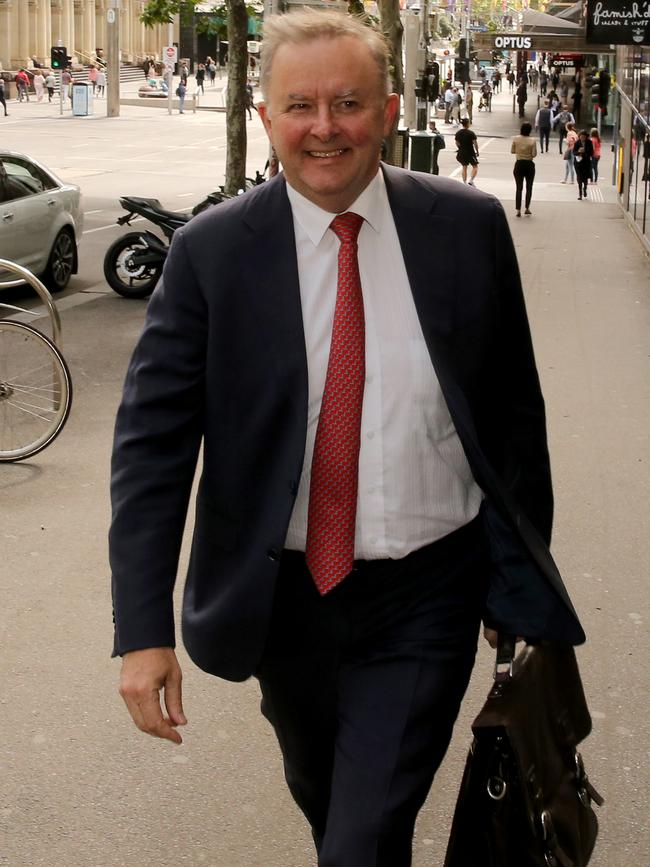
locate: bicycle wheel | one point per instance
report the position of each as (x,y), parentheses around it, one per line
(35,391)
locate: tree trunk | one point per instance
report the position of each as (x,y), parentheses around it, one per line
(392,29)
(236,97)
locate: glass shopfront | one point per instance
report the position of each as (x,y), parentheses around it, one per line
(632,136)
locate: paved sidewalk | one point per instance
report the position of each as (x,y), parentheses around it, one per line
(78,781)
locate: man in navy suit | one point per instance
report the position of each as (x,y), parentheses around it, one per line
(262,322)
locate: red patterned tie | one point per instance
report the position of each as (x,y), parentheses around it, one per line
(335,465)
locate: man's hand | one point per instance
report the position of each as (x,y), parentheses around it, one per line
(492,637)
(144,674)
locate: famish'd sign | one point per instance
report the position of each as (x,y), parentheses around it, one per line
(619,22)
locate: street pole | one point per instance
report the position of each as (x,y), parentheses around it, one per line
(170,70)
(60,91)
(411,48)
(113,58)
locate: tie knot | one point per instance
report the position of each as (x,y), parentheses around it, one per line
(346,227)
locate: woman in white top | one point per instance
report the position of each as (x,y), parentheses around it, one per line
(525,149)
(39,85)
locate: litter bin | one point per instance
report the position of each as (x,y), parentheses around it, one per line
(82,98)
(421,150)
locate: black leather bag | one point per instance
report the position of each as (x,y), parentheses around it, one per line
(525,799)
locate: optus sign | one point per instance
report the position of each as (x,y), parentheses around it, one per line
(514,42)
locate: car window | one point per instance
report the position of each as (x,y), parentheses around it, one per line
(19,179)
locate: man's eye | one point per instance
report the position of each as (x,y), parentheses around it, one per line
(298,106)
(349,103)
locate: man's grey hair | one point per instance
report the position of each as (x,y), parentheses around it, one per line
(307,25)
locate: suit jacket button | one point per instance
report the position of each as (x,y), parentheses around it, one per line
(293,487)
(273,554)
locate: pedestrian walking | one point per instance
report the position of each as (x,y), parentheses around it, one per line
(469,102)
(522,96)
(449,99)
(184,73)
(467,153)
(3,100)
(22,85)
(50,83)
(597,146)
(181,91)
(101,83)
(561,120)
(571,139)
(39,85)
(583,151)
(543,83)
(250,99)
(525,150)
(200,78)
(511,81)
(66,84)
(554,102)
(438,144)
(543,124)
(456,101)
(357,611)
(92,76)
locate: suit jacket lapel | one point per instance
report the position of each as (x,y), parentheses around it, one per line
(428,243)
(271,275)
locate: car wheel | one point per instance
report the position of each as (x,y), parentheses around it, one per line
(61,262)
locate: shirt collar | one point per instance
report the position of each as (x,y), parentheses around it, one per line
(370,205)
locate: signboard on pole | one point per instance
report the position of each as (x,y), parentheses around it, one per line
(618,22)
(170,56)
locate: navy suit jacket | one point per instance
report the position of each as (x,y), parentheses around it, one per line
(222,363)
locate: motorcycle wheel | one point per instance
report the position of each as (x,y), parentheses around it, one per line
(122,275)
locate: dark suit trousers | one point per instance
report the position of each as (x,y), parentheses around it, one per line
(363,686)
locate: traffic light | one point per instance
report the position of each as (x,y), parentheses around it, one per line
(462,71)
(595,91)
(58,57)
(604,83)
(434,81)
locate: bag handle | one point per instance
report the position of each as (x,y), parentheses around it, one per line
(504,661)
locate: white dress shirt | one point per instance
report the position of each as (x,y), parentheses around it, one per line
(415,484)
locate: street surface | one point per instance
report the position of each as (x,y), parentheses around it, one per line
(80,786)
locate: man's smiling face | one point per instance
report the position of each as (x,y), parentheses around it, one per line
(326,115)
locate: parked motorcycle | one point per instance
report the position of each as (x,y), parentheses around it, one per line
(134,262)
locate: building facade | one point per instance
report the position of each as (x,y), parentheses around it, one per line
(30,27)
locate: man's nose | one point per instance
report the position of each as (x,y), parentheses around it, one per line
(324,126)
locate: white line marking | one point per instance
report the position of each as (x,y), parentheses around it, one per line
(101,229)
(185,195)
(87,213)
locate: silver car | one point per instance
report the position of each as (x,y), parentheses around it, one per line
(40,220)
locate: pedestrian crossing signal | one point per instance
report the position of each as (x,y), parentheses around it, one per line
(58,57)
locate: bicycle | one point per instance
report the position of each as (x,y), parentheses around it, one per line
(35,382)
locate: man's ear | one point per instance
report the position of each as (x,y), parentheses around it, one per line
(263,112)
